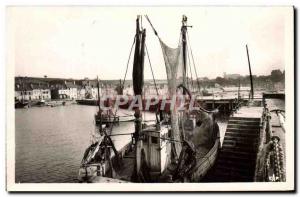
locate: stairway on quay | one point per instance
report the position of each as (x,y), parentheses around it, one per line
(236,159)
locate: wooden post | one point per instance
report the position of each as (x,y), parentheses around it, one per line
(252,91)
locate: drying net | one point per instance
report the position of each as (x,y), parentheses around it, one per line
(173,58)
(204,135)
(174,66)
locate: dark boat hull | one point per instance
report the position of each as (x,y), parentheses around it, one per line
(205,163)
(87,102)
(21,104)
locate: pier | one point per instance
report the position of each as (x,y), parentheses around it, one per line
(253,135)
(224,105)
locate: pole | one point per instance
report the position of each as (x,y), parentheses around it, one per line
(252,91)
(184,44)
(138,83)
(100,111)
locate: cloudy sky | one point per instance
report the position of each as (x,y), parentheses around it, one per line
(77,42)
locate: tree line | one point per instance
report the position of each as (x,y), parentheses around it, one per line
(274,77)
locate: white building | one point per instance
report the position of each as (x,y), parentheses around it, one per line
(30,91)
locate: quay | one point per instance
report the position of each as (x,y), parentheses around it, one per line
(253,147)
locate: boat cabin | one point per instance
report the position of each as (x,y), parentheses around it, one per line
(155,148)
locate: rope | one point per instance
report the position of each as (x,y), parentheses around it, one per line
(190,48)
(187,78)
(128,62)
(155,32)
(115,114)
(151,70)
(190,69)
(153,78)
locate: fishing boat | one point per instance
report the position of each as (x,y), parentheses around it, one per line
(91,102)
(180,146)
(101,118)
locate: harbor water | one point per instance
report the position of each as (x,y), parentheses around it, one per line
(50,142)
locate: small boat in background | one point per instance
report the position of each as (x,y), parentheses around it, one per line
(21,104)
(206,93)
(41,103)
(91,102)
(104,118)
(108,119)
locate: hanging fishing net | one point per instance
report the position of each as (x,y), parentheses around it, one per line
(174,66)
(174,69)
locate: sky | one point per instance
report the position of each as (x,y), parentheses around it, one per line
(77,42)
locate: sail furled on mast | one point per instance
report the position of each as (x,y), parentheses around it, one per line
(138,63)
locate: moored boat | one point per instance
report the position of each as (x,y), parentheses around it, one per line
(41,103)
(21,104)
(182,144)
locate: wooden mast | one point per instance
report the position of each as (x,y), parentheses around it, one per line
(138,82)
(251,81)
(184,49)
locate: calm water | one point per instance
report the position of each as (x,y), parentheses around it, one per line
(50,142)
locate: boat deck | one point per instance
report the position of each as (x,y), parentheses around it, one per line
(127,167)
